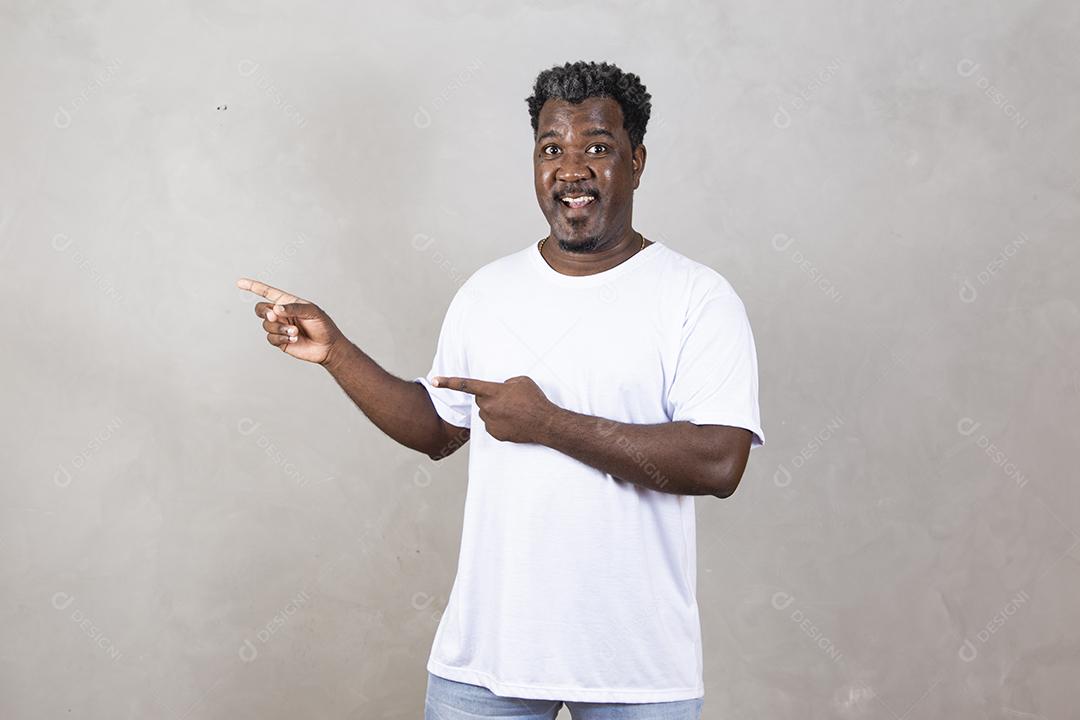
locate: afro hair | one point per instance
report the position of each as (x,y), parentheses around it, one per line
(573,82)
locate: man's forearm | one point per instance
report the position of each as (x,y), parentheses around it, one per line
(669,457)
(400,408)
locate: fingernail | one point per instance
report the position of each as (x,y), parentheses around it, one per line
(292,339)
(278,309)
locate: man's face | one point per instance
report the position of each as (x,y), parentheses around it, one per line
(584,150)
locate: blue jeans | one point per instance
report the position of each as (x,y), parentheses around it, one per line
(452,700)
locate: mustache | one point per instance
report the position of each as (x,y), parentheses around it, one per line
(579,190)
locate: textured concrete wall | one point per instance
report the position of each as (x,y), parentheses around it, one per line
(193,525)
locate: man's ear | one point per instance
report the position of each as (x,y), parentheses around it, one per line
(639,163)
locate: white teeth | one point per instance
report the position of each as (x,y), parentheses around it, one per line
(579,201)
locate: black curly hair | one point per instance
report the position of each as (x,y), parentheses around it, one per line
(574,82)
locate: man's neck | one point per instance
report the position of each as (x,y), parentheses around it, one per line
(568,262)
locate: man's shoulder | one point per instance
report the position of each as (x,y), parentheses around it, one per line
(494,274)
(499,268)
(693,279)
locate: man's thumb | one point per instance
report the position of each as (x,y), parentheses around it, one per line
(298,310)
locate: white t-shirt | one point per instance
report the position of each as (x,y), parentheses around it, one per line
(572,584)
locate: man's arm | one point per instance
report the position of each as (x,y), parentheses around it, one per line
(673,457)
(400,408)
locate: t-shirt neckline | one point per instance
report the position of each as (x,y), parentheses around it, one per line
(552,275)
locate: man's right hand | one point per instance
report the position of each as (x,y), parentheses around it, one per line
(296,326)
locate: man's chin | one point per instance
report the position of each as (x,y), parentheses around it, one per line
(578,241)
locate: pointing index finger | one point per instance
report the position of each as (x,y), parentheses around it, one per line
(469,385)
(269,292)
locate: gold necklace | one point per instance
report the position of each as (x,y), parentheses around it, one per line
(639,249)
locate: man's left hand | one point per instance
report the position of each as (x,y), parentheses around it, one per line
(514,411)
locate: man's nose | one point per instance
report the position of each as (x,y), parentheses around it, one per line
(573,170)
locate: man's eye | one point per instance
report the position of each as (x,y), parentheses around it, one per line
(598,145)
(549,147)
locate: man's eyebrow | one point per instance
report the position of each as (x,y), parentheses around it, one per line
(591,132)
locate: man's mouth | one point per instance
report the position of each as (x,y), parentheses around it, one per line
(577,201)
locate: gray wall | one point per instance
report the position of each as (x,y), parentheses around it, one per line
(196,526)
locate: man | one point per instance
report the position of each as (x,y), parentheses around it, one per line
(604,380)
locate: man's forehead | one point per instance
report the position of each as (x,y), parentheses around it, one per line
(595,111)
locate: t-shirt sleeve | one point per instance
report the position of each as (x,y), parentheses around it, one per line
(451,359)
(716,376)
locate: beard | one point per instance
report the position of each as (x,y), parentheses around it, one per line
(587,244)
(577,240)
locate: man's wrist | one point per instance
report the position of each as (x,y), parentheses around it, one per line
(547,427)
(337,355)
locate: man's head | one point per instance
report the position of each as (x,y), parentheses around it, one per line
(588,123)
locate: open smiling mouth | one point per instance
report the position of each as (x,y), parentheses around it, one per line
(578,201)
